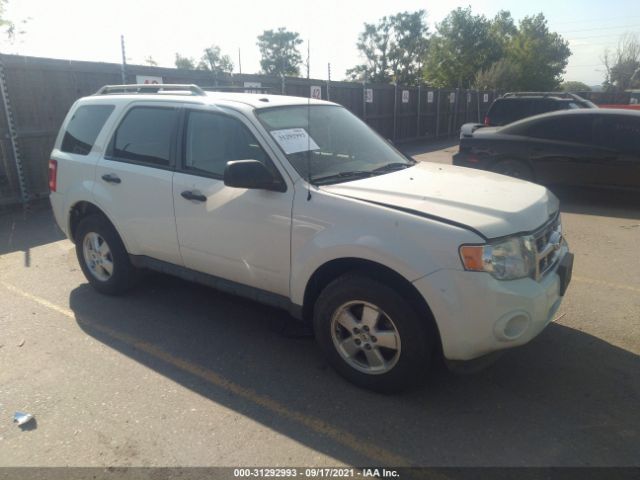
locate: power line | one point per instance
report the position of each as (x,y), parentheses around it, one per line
(600,20)
(592,36)
(601,28)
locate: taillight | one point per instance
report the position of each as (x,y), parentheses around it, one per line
(487,122)
(53,175)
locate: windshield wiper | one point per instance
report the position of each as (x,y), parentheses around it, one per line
(390,167)
(351,175)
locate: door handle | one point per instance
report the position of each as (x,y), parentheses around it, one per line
(191,195)
(111,178)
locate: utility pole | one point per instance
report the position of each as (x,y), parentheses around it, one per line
(308,57)
(124,61)
(239,62)
(328,81)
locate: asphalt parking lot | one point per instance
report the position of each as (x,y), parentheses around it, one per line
(175,374)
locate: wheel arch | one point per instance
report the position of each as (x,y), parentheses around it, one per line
(332,269)
(83,209)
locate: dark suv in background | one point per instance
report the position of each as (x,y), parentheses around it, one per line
(515,106)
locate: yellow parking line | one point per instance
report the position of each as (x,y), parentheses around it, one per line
(596,281)
(375,453)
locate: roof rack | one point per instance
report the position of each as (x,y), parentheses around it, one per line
(543,94)
(234,88)
(150,88)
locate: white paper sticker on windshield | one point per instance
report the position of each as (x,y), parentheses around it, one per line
(294,140)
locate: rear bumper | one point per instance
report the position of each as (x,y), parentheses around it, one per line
(59,211)
(477,314)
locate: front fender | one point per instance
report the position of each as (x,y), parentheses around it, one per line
(331,227)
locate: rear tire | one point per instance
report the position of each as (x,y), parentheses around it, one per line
(372,335)
(513,168)
(102,256)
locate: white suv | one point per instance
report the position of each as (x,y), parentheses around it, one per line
(297,203)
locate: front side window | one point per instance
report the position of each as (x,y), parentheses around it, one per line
(145,136)
(621,133)
(84,127)
(213,139)
(328,144)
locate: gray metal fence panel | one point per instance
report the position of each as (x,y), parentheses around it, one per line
(42,90)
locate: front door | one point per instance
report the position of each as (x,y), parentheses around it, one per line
(237,234)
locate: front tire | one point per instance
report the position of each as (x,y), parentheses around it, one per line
(102,256)
(372,335)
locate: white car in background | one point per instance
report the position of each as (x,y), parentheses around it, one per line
(297,203)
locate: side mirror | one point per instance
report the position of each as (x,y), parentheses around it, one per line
(251,174)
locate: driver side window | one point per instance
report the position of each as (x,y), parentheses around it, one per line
(213,139)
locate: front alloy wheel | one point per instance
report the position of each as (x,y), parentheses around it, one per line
(366,337)
(373,334)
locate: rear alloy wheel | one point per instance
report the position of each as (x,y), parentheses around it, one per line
(372,335)
(97,256)
(513,168)
(102,256)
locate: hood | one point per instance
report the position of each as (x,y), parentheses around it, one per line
(491,204)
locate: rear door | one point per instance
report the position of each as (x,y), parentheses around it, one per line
(134,180)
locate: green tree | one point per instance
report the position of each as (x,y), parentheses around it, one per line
(501,75)
(8,27)
(472,50)
(623,65)
(463,45)
(279,52)
(541,55)
(573,86)
(214,61)
(393,49)
(185,63)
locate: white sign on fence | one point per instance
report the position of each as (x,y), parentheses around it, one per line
(316,92)
(468,97)
(485,98)
(249,85)
(368,95)
(405,96)
(429,97)
(452,97)
(148,80)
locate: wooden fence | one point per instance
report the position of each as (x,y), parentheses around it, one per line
(37,93)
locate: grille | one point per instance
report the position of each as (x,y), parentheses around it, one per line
(548,242)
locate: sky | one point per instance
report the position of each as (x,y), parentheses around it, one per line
(90,30)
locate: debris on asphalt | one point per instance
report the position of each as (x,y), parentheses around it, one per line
(22,418)
(21,342)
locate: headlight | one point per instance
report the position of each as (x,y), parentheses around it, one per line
(507,260)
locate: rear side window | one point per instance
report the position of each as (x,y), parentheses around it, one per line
(544,106)
(145,136)
(84,127)
(505,111)
(212,139)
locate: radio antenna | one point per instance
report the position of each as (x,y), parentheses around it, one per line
(308,130)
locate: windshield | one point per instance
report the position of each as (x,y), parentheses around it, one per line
(327,144)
